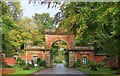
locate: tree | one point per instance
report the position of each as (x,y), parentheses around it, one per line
(93,22)
(44,22)
(10,15)
(26,30)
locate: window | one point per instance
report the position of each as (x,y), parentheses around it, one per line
(84,60)
(35,59)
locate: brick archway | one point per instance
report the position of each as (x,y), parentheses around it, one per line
(68,39)
(68,46)
(50,39)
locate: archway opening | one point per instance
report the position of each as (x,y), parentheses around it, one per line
(59,53)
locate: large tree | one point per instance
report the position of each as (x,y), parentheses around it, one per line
(44,22)
(26,30)
(93,22)
(11,13)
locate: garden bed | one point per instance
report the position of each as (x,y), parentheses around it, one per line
(8,70)
(20,72)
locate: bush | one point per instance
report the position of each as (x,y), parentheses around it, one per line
(6,66)
(77,63)
(92,65)
(27,67)
(101,64)
(38,61)
(32,62)
(43,63)
(20,62)
(58,60)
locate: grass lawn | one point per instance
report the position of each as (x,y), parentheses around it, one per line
(21,72)
(100,72)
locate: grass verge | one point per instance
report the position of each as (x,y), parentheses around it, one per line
(99,72)
(21,72)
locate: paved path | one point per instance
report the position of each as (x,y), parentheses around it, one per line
(59,70)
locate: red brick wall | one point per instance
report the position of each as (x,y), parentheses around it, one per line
(90,56)
(98,58)
(40,55)
(22,56)
(50,39)
(79,56)
(30,55)
(9,61)
(112,63)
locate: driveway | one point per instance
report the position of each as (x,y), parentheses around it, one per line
(59,70)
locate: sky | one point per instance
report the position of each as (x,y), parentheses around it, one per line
(30,9)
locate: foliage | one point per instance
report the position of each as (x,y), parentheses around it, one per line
(16,31)
(11,13)
(77,63)
(43,63)
(93,22)
(58,59)
(32,62)
(26,30)
(100,72)
(27,67)
(38,61)
(20,71)
(92,65)
(20,62)
(6,66)
(101,64)
(58,51)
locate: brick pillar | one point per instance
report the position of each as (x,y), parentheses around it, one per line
(47,58)
(71,58)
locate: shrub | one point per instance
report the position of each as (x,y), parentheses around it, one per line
(77,63)
(43,63)
(92,65)
(27,67)
(32,62)
(38,61)
(6,66)
(58,60)
(20,62)
(101,64)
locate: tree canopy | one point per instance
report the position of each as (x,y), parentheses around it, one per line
(96,22)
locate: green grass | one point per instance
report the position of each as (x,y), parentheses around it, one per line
(21,72)
(99,72)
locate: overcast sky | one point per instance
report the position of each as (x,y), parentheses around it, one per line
(30,9)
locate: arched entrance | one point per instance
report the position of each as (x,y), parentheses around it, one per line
(68,39)
(59,53)
(50,39)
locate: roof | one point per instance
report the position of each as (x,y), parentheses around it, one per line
(99,54)
(83,48)
(37,48)
(77,48)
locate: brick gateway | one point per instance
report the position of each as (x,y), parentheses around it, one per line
(84,54)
